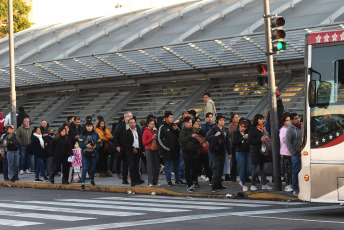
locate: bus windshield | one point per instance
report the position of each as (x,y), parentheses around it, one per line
(326,95)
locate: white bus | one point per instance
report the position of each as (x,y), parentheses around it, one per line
(321,178)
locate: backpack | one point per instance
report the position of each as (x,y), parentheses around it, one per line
(203,146)
(266,148)
(218,144)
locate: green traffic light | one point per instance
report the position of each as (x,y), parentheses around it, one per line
(280,46)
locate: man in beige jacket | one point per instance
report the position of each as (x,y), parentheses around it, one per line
(209,107)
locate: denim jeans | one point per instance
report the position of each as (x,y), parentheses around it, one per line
(210,156)
(40,167)
(181,167)
(168,164)
(226,166)
(25,159)
(296,162)
(88,164)
(13,163)
(244,164)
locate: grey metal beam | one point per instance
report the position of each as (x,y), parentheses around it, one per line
(62,107)
(115,109)
(264,102)
(192,98)
(334,16)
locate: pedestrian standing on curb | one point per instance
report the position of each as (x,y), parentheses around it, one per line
(219,145)
(11,144)
(61,149)
(168,135)
(259,161)
(189,141)
(24,133)
(50,156)
(232,127)
(208,125)
(284,151)
(153,158)
(106,138)
(90,143)
(242,151)
(37,147)
(209,106)
(294,140)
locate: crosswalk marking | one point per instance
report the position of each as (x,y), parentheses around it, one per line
(147,206)
(44,216)
(17,223)
(198,204)
(69,210)
(90,204)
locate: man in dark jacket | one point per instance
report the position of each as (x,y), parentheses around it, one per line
(219,144)
(75,131)
(133,147)
(168,139)
(21,115)
(189,141)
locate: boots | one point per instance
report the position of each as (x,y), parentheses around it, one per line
(108,174)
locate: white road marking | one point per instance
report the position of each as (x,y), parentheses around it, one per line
(146,205)
(89,204)
(44,216)
(69,210)
(293,219)
(198,204)
(17,223)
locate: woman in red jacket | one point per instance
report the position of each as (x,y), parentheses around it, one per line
(153,158)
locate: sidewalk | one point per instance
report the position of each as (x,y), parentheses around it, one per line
(112,184)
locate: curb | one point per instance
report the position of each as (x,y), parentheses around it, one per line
(144,190)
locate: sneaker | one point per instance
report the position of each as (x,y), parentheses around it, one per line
(244,188)
(27,171)
(196,185)
(240,184)
(202,178)
(288,188)
(207,179)
(92,183)
(13,179)
(46,179)
(191,189)
(38,180)
(253,188)
(296,193)
(162,169)
(169,184)
(51,179)
(227,178)
(180,182)
(125,182)
(213,189)
(266,187)
(82,187)
(150,185)
(21,172)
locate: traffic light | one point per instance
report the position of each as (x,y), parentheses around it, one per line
(263,78)
(278,34)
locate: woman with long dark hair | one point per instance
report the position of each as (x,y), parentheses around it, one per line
(61,148)
(105,136)
(37,147)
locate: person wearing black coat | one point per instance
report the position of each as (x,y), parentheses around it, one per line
(219,144)
(49,155)
(11,147)
(75,130)
(168,139)
(21,115)
(37,147)
(61,148)
(260,162)
(133,147)
(242,151)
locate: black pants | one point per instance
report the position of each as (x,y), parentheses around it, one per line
(191,171)
(218,164)
(234,166)
(133,163)
(103,160)
(203,162)
(65,166)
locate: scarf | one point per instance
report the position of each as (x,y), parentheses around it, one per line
(40,139)
(298,126)
(260,128)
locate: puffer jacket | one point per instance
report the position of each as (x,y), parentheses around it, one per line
(147,137)
(185,138)
(168,140)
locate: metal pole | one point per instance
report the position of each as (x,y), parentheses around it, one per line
(13,83)
(272,90)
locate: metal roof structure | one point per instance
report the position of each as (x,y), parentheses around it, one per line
(189,36)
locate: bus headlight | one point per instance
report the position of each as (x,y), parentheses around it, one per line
(306,177)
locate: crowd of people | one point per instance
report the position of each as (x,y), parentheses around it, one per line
(197,150)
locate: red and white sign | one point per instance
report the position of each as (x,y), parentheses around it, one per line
(326,37)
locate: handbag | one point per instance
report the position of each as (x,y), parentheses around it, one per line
(89,153)
(154,146)
(108,147)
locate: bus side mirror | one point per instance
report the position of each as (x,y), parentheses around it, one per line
(324,93)
(312,93)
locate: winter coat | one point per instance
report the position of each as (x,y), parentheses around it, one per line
(147,137)
(283,142)
(211,138)
(12,142)
(24,135)
(294,140)
(74,131)
(95,137)
(210,108)
(190,143)
(61,147)
(36,147)
(104,136)
(128,141)
(47,142)
(254,139)
(240,144)
(205,128)
(168,140)
(118,135)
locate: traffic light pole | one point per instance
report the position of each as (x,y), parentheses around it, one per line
(13,82)
(273,103)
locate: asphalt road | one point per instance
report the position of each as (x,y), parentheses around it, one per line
(37,209)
